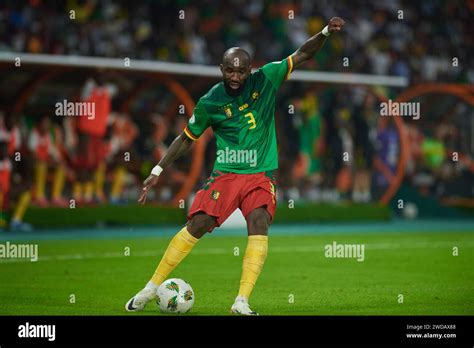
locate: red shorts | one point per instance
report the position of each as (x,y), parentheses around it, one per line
(223,193)
(5,174)
(89,152)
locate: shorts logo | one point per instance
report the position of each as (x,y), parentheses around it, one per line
(215,195)
(272,191)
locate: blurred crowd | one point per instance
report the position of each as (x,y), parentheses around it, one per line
(422,40)
(333,144)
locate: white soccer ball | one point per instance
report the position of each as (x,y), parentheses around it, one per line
(410,211)
(175,296)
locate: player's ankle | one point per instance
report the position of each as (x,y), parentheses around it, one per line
(242,298)
(151,285)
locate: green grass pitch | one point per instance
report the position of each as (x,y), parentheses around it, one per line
(297,278)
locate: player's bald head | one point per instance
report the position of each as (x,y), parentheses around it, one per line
(236,56)
(235,69)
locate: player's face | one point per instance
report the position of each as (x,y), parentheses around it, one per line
(234,74)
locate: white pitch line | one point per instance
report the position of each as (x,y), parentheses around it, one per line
(222,251)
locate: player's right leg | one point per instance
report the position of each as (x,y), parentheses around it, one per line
(179,247)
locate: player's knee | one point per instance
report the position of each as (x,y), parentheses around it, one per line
(258,221)
(199,224)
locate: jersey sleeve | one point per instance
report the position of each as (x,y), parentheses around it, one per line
(198,122)
(279,71)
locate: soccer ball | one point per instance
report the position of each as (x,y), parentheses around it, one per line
(410,211)
(175,296)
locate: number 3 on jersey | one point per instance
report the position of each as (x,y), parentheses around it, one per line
(251,120)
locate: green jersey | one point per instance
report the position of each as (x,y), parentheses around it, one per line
(244,126)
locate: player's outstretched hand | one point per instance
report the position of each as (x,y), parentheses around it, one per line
(335,24)
(151,181)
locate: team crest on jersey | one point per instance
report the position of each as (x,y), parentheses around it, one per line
(227,110)
(215,195)
(255,95)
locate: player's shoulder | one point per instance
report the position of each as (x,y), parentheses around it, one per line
(271,67)
(214,95)
(275,64)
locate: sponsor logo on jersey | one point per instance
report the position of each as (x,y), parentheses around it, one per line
(243,107)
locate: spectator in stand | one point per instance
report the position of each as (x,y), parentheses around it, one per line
(418,45)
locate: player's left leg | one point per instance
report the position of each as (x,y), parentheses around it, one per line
(258,206)
(58,185)
(24,168)
(258,222)
(41,173)
(117,185)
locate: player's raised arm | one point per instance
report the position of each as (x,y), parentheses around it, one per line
(314,43)
(178,147)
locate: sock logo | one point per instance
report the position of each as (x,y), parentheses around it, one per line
(37,331)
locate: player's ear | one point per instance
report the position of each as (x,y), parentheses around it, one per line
(221,67)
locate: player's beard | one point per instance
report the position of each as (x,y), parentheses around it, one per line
(234,92)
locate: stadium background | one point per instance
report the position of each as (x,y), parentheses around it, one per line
(407,187)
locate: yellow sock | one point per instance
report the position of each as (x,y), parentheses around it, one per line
(21,206)
(77,191)
(99,181)
(179,247)
(58,183)
(117,186)
(88,191)
(254,259)
(41,171)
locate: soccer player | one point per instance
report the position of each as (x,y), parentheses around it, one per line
(240,110)
(90,134)
(10,144)
(44,145)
